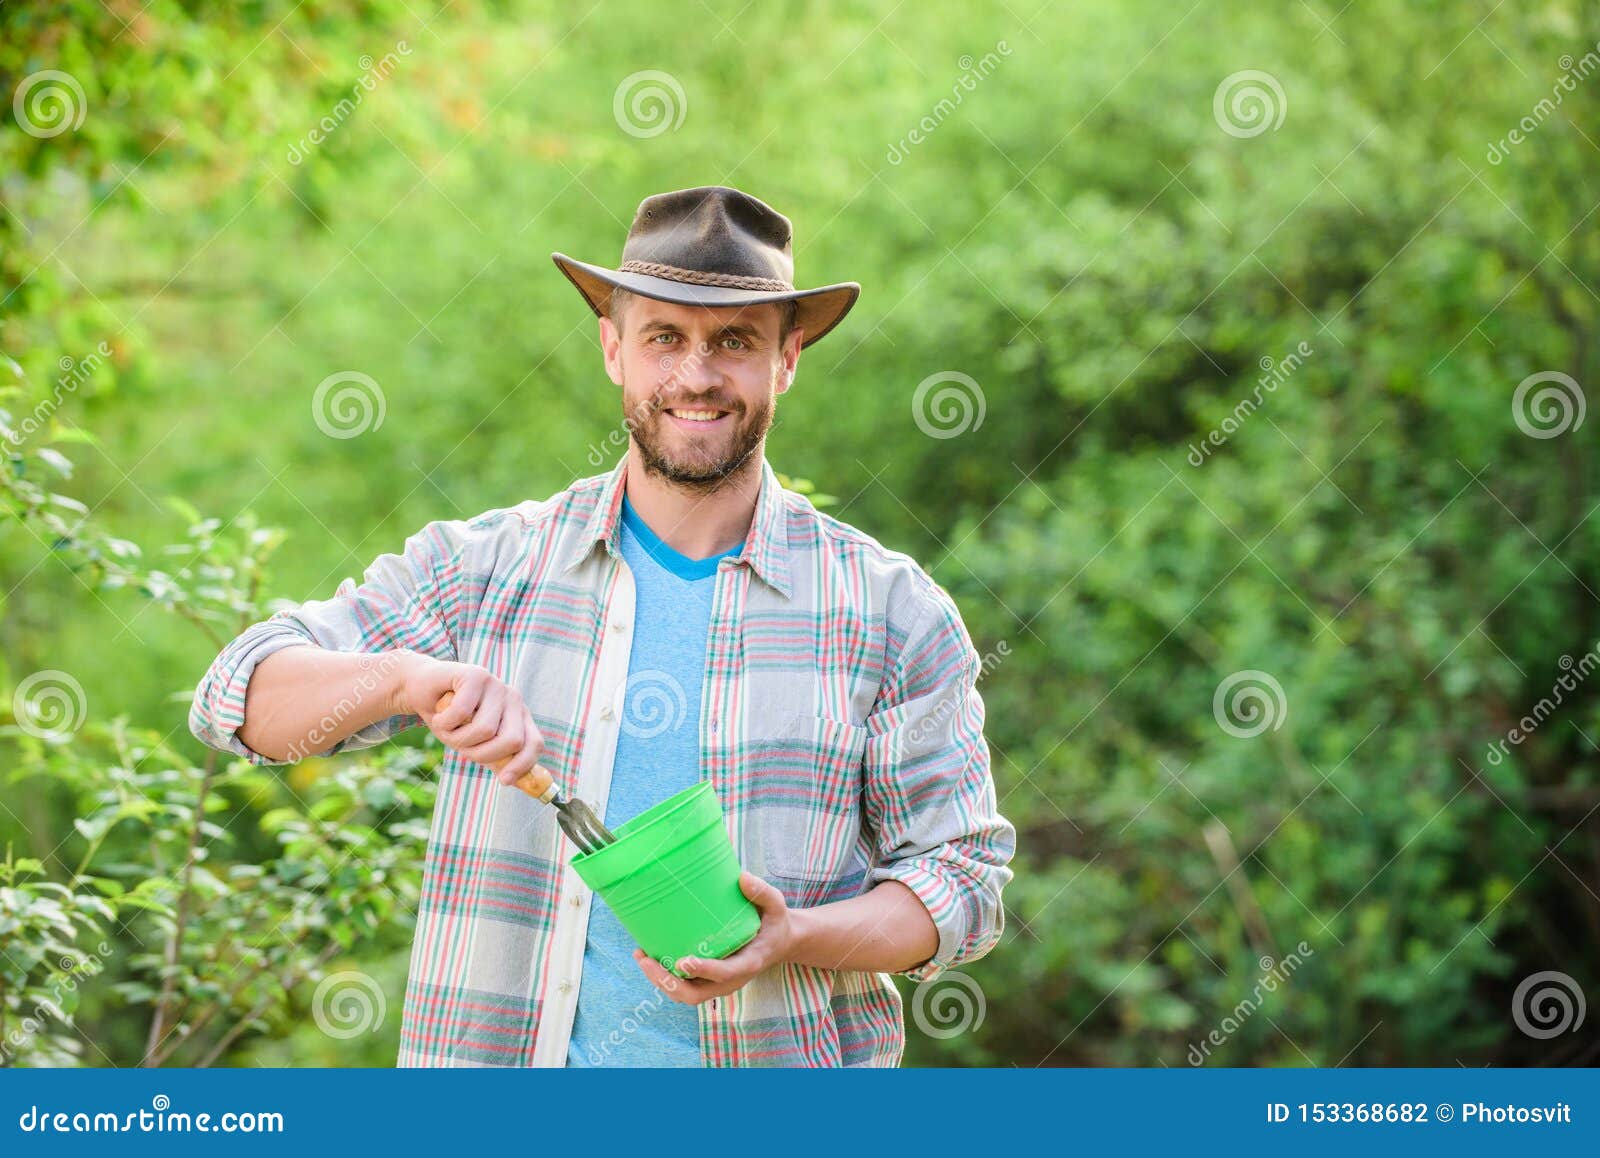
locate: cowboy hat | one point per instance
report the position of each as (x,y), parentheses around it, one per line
(711,246)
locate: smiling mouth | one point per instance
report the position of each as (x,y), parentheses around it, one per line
(696,417)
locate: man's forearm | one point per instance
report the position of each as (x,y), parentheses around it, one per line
(303,700)
(886,929)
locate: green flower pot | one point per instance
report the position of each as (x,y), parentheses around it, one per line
(672,879)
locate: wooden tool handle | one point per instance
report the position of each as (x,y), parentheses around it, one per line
(539,783)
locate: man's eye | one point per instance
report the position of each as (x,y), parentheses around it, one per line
(657,338)
(733,343)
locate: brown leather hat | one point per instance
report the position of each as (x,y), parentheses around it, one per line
(711,246)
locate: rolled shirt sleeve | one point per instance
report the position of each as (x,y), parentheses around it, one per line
(928,793)
(403,603)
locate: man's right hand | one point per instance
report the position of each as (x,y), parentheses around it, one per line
(486,720)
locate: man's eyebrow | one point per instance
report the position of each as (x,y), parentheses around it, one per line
(740,330)
(732,329)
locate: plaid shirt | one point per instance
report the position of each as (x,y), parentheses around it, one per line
(840,725)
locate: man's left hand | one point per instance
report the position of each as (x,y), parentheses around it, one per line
(709,977)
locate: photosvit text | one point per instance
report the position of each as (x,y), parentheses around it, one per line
(1375,1113)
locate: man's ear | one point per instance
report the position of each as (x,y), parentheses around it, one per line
(611,347)
(791,357)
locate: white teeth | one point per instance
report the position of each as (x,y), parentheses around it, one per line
(697,415)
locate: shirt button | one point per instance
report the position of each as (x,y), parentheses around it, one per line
(565,987)
(606,713)
(619,625)
(577,900)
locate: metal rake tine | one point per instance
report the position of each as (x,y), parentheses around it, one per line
(583,827)
(596,833)
(575,831)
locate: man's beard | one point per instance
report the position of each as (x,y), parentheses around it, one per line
(695,469)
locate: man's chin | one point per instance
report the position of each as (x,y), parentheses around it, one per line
(689,466)
(692,459)
(695,471)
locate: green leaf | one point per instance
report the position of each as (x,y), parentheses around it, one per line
(92,828)
(111,888)
(185,509)
(58,461)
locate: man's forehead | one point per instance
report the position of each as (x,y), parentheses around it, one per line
(643,311)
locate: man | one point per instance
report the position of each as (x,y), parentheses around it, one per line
(681,618)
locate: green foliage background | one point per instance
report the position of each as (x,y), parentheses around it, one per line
(1080,236)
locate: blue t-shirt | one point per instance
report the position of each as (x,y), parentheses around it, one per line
(622,1019)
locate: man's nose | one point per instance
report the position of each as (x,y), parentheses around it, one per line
(698,371)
